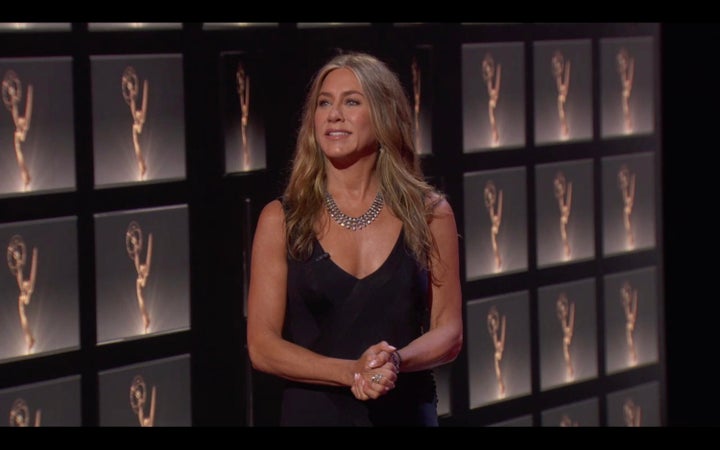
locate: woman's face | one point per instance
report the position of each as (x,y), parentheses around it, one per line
(342,117)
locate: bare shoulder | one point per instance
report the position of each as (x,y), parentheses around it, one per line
(272,217)
(440,206)
(273,210)
(445,235)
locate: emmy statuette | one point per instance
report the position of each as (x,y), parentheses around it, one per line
(566,315)
(417,84)
(12,95)
(491,75)
(629,299)
(20,414)
(626,183)
(626,70)
(566,421)
(16,259)
(561,72)
(138,398)
(494,204)
(496,328)
(134,246)
(130,90)
(632,413)
(243,89)
(563,194)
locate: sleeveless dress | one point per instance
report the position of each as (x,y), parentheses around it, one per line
(331,312)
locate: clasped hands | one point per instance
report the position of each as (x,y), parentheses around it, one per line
(375,373)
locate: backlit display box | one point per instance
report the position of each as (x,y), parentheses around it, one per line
(498,346)
(628,191)
(37,135)
(627,86)
(563,74)
(54,403)
(138,113)
(493,96)
(151,394)
(522,421)
(243,105)
(631,319)
(416,73)
(564,204)
(638,406)
(39,306)
(585,413)
(142,268)
(568,333)
(443,382)
(495,222)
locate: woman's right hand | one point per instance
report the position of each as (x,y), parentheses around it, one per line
(375,373)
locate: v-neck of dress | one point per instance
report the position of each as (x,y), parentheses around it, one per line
(372,274)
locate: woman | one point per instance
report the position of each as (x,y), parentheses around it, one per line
(354,292)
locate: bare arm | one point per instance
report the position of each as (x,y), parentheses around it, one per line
(269,352)
(442,343)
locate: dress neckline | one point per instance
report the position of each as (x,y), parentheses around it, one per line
(372,274)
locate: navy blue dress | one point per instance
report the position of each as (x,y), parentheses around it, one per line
(333,313)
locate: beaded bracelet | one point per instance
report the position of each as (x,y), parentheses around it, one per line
(396,359)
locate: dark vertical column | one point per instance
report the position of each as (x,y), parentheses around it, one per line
(690,99)
(215,369)
(82,89)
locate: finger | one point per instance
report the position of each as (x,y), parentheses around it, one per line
(385,346)
(372,392)
(390,366)
(379,359)
(379,382)
(354,385)
(365,389)
(357,388)
(388,370)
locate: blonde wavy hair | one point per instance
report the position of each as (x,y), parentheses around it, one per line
(402,182)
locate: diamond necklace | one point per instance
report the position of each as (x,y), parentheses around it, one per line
(354,223)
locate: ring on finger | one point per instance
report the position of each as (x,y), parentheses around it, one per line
(376,378)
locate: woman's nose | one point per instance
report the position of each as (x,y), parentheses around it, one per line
(335,114)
